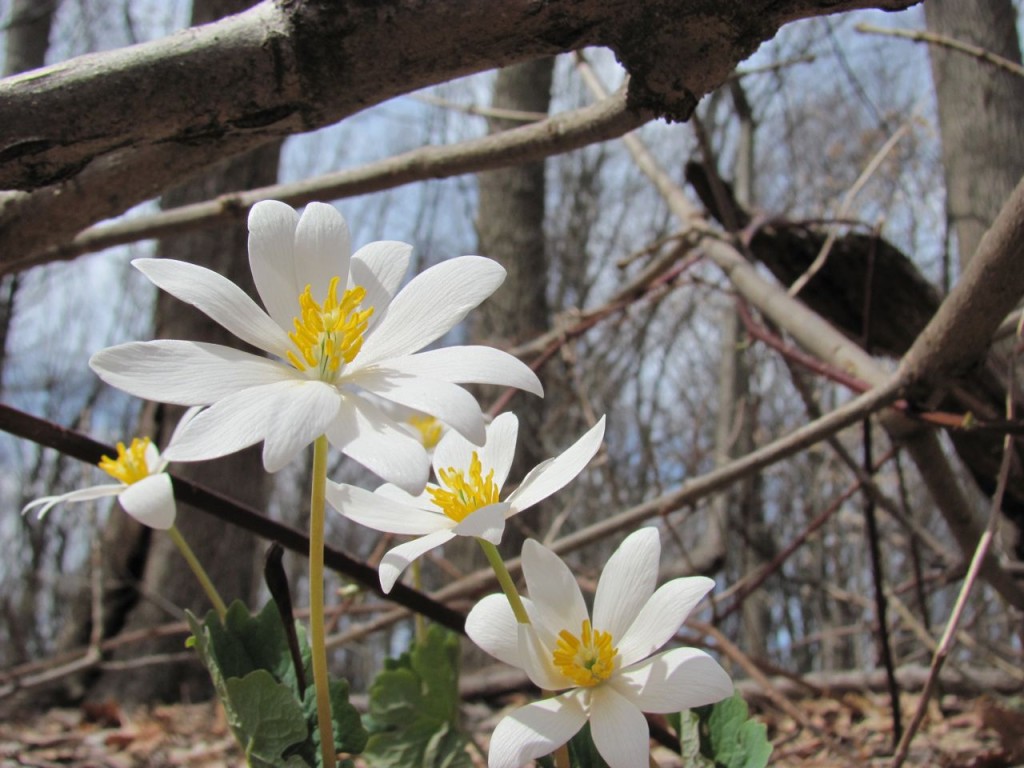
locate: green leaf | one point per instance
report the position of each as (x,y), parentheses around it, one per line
(266,720)
(251,666)
(414,705)
(734,739)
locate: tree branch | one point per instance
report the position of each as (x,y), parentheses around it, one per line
(84,448)
(87,139)
(607,119)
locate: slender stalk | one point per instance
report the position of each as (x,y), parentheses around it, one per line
(316,602)
(505,580)
(199,571)
(417,582)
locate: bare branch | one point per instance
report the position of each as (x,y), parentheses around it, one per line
(87,139)
(922,36)
(595,123)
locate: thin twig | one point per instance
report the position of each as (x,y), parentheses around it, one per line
(844,208)
(921,36)
(84,448)
(981,551)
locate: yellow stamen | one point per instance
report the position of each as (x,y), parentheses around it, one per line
(463,497)
(328,334)
(588,659)
(429,429)
(130,465)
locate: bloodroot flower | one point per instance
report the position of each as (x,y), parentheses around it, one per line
(606,666)
(142,488)
(341,332)
(466,499)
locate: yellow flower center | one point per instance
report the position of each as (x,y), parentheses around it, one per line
(464,496)
(429,429)
(329,333)
(130,465)
(588,659)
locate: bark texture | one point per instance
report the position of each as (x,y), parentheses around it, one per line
(229,554)
(87,139)
(510,229)
(28,38)
(981,110)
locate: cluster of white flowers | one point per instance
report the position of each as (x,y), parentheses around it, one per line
(345,362)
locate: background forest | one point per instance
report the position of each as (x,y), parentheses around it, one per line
(714,286)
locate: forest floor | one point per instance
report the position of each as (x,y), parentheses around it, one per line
(855,730)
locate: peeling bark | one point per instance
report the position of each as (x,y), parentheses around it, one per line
(89,138)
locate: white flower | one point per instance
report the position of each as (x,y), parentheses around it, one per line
(143,488)
(605,667)
(466,501)
(338,330)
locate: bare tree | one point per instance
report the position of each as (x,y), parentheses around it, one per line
(981,108)
(145,586)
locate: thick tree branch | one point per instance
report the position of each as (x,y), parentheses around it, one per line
(940,348)
(86,139)
(959,336)
(598,122)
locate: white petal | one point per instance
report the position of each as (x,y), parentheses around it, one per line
(184,372)
(393,492)
(377,511)
(150,501)
(484,523)
(553,589)
(186,417)
(627,582)
(379,268)
(619,729)
(537,659)
(230,424)
(306,410)
(272,258)
(430,305)
(398,559)
(554,474)
(154,459)
(661,617)
(322,250)
(46,503)
(446,402)
(493,627)
(453,450)
(535,730)
(471,365)
(677,679)
(219,299)
(500,449)
(366,435)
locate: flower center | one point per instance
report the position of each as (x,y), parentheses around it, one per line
(429,429)
(329,333)
(588,659)
(464,496)
(130,466)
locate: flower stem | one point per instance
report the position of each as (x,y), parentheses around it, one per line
(505,580)
(417,581)
(316,602)
(199,571)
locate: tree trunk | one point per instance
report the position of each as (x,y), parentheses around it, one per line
(981,111)
(28,38)
(510,229)
(228,554)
